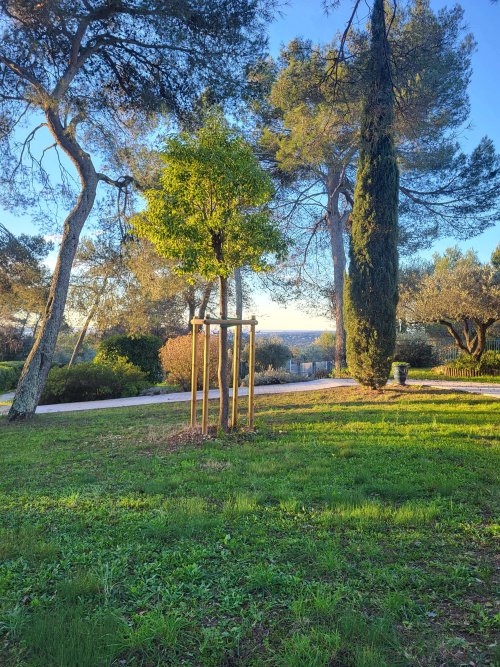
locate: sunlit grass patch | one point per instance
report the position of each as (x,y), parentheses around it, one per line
(375,512)
(27,542)
(350,529)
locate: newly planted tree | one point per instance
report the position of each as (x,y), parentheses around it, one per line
(371,290)
(79,73)
(209,213)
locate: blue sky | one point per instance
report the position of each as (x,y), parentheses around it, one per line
(306,18)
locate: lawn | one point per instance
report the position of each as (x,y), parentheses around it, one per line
(353,529)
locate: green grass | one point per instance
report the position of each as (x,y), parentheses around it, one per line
(428,374)
(353,529)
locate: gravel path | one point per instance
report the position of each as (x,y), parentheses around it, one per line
(313,385)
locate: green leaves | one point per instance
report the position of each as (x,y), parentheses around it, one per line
(210,210)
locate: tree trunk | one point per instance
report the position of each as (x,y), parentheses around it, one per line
(85,327)
(238,287)
(204,301)
(223,361)
(480,341)
(38,363)
(336,226)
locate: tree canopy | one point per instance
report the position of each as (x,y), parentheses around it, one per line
(460,293)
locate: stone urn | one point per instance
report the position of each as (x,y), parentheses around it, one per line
(400,371)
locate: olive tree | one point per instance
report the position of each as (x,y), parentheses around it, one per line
(459,292)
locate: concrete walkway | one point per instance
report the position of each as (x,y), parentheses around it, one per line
(313,385)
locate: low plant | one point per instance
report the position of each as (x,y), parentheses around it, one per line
(489,364)
(271,376)
(10,372)
(176,358)
(415,350)
(141,351)
(93,381)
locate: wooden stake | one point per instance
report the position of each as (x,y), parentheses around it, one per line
(194,374)
(206,380)
(251,374)
(236,375)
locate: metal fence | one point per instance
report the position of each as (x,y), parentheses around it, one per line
(451,352)
(309,367)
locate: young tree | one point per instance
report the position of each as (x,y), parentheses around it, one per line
(82,71)
(371,289)
(310,132)
(460,293)
(210,215)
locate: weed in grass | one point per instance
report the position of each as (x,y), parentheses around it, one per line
(315,649)
(27,542)
(68,637)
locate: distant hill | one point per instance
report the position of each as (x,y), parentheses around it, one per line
(292,338)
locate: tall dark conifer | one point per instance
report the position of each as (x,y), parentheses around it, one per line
(371,293)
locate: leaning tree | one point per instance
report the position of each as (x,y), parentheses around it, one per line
(310,138)
(81,72)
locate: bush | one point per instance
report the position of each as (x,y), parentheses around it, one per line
(272,376)
(271,354)
(415,350)
(10,372)
(175,357)
(489,363)
(141,351)
(93,381)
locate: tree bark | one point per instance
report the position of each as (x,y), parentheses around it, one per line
(38,363)
(223,361)
(238,287)
(336,226)
(204,301)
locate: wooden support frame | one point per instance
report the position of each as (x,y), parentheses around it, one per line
(230,322)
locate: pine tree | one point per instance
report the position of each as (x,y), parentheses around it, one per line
(371,292)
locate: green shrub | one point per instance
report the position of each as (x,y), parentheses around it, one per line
(176,358)
(414,350)
(10,372)
(269,354)
(489,363)
(93,381)
(271,376)
(142,351)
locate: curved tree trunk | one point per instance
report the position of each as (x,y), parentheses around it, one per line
(38,363)
(223,361)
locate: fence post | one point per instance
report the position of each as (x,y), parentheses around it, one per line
(206,380)
(236,374)
(251,374)
(194,374)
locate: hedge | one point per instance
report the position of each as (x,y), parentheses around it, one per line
(10,372)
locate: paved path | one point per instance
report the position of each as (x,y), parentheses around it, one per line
(313,385)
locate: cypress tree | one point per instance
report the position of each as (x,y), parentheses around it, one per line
(371,291)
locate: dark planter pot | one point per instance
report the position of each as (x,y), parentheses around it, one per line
(400,373)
